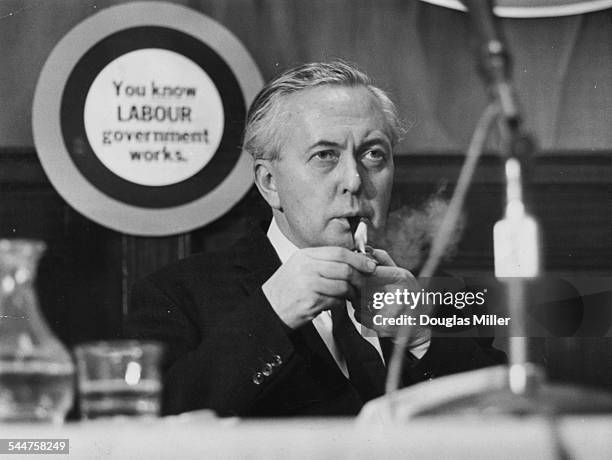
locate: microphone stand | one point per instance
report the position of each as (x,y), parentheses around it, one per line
(517,262)
(517,259)
(516,237)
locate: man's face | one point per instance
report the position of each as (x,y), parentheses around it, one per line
(335,165)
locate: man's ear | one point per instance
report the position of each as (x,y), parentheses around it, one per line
(265,181)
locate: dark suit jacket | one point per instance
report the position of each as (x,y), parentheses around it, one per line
(227,349)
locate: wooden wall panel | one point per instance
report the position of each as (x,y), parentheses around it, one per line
(570,194)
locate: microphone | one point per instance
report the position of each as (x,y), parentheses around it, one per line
(494,61)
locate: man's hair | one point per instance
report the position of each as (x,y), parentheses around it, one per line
(260,135)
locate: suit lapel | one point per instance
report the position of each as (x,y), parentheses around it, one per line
(256,256)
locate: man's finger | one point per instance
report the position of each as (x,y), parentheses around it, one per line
(394,275)
(340,271)
(327,303)
(337,254)
(383,257)
(333,288)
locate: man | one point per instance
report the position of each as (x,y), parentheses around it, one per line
(269,328)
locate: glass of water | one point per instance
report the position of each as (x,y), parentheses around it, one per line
(119,378)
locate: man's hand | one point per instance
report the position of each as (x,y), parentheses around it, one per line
(316,279)
(388,277)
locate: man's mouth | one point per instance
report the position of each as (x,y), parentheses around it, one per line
(353,222)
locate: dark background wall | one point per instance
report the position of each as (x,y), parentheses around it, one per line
(563,69)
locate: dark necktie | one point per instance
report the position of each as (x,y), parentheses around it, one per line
(365,366)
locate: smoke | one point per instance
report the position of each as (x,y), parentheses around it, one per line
(410,231)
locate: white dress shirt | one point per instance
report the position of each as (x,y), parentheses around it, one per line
(323,322)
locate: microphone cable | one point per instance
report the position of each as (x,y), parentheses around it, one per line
(444,233)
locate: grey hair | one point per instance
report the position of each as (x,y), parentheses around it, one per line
(260,139)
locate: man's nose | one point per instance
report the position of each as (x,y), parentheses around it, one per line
(351,177)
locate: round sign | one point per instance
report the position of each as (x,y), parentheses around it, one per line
(153,113)
(138,115)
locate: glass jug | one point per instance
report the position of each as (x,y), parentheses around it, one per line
(36,371)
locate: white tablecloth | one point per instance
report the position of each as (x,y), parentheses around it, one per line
(436,438)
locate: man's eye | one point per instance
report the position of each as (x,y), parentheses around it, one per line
(326,155)
(374,156)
